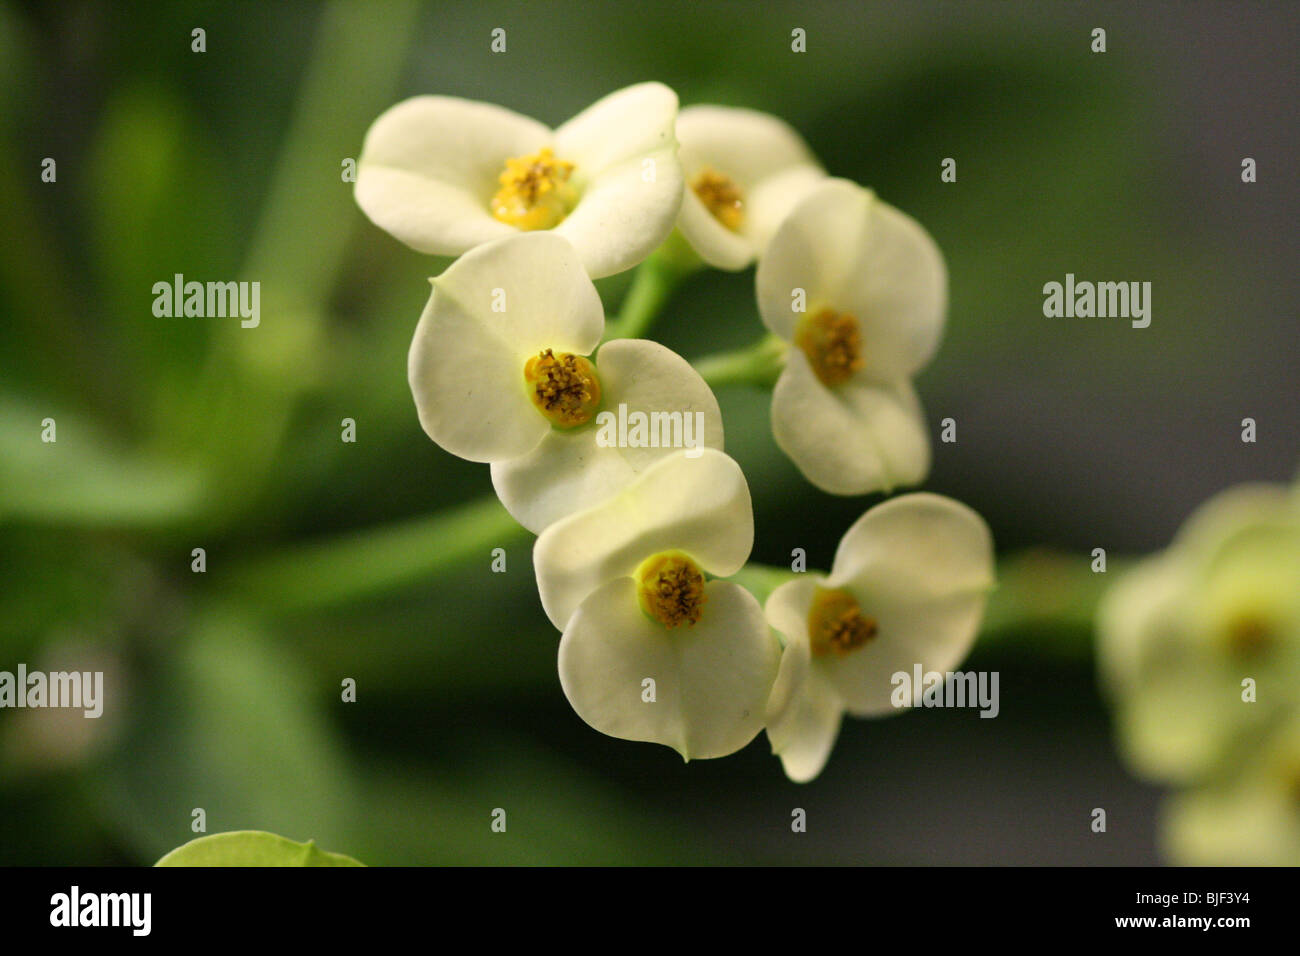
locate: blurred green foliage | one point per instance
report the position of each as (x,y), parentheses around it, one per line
(329,561)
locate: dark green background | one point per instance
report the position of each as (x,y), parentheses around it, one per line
(182,433)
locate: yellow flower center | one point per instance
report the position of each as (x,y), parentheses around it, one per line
(833,344)
(564,387)
(1249,636)
(670,587)
(836,624)
(721,197)
(535,191)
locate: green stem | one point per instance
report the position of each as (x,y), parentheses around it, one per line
(367,563)
(757,364)
(247,394)
(653,285)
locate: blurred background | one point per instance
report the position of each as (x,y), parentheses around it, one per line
(328,560)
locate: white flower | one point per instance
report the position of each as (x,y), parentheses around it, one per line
(744,170)
(1180,633)
(860,290)
(652,648)
(501,370)
(445,175)
(1250,817)
(653,402)
(907,587)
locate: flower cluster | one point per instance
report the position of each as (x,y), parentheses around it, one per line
(1199,649)
(640,525)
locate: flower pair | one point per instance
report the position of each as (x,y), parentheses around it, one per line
(445,174)
(656,648)
(1199,650)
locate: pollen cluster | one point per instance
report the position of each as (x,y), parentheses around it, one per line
(535,191)
(836,624)
(563,387)
(721,196)
(833,343)
(670,587)
(1249,636)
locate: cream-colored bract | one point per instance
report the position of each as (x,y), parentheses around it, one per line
(921,566)
(575,468)
(697,505)
(492,310)
(842,249)
(767,161)
(429,169)
(709,680)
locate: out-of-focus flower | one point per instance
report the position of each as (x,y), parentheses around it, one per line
(653,649)
(1199,646)
(860,291)
(444,175)
(744,171)
(907,587)
(1249,817)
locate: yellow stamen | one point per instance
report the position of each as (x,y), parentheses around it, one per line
(670,587)
(535,191)
(833,343)
(721,196)
(1249,636)
(836,624)
(564,387)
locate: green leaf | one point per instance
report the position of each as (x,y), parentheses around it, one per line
(232,724)
(252,848)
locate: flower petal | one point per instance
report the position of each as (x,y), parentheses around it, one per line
(853,439)
(466,361)
(429,169)
(804,711)
(763,156)
(621,217)
(936,634)
(772,200)
(1133,612)
(853,253)
(572,470)
(919,547)
(711,679)
(625,152)
(897,287)
(627,124)
(920,565)
(747,146)
(697,505)
(813,250)
(717,245)
(1233,511)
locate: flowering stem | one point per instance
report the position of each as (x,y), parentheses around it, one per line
(374,561)
(757,364)
(655,281)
